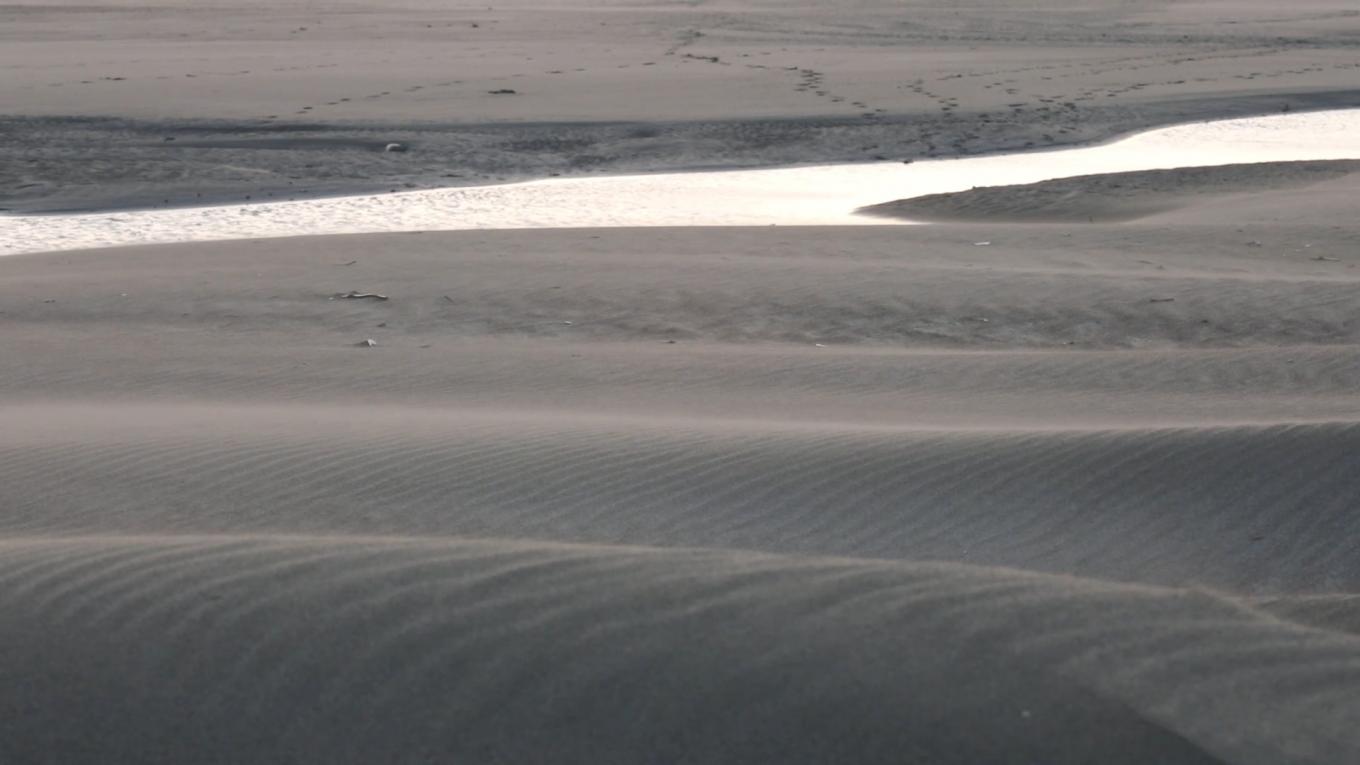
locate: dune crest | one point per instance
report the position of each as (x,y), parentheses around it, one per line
(1113,197)
(357,650)
(403,383)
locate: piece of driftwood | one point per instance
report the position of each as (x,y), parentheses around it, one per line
(357,295)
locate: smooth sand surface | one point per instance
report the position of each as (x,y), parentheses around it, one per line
(1054,491)
(609,60)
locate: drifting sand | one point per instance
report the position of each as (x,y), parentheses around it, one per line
(262,540)
(966,493)
(358,651)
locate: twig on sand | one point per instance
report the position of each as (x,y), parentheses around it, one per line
(352,262)
(1161,300)
(357,295)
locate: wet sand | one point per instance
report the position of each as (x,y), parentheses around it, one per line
(133,104)
(1114,197)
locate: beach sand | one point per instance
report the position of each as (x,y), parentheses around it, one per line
(1114,197)
(1072,487)
(129,103)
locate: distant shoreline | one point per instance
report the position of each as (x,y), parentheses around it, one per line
(112,164)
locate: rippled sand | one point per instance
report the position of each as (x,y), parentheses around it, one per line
(788,494)
(1075,489)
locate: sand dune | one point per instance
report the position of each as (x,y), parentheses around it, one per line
(1074,488)
(400,651)
(1113,196)
(1207,286)
(1247,508)
(1095,401)
(871,494)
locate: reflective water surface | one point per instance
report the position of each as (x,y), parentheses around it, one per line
(816,195)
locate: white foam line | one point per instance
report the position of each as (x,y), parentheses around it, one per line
(821,195)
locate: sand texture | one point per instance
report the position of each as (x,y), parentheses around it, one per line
(874,494)
(1069,477)
(129,103)
(1111,196)
(460,650)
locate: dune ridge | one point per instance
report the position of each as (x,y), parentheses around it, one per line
(227,534)
(503,650)
(974,493)
(1111,288)
(1112,197)
(1211,505)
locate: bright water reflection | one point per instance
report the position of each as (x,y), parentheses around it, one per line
(820,195)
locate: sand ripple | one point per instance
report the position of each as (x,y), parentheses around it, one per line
(390,650)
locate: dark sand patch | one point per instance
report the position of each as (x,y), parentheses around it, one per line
(1111,197)
(190,649)
(78,165)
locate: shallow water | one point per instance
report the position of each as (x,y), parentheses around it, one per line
(820,195)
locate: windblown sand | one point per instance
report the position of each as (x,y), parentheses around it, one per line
(1085,493)
(1076,489)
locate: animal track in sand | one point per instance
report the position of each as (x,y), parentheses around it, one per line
(813,82)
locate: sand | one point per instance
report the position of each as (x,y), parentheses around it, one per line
(717,494)
(1111,196)
(128,104)
(1059,489)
